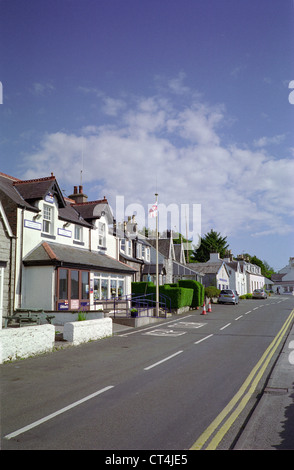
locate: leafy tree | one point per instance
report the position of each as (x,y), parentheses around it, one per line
(212,242)
(265,268)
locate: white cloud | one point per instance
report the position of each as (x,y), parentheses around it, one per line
(264,141)
(40,89)
(157,144)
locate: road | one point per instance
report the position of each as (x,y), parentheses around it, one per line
(172,385)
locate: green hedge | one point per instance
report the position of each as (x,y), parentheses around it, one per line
(179,296)
(198,289)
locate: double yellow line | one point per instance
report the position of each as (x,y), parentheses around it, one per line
(242,396)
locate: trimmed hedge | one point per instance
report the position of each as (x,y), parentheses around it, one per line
(179,296)
(198,289)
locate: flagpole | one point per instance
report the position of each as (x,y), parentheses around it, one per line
(157,277)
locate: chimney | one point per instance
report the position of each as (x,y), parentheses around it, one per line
(78,197)
(214,257)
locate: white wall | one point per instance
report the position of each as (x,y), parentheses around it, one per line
(16,343)
(38,287)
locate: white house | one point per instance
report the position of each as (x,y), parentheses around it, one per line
(214,272)
(237,276)
(254,278)
(284,279)
(66,255)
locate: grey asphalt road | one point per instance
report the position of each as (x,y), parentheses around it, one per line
(156,387)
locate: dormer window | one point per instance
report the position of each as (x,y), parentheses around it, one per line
(101,234)
(47,219)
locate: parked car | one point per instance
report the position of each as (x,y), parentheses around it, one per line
(228,296)
(259,294)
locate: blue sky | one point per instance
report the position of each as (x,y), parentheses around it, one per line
(189,98)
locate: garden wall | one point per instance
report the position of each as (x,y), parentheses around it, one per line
(16,343)
(88,330)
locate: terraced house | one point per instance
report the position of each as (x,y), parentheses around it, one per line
(66,252)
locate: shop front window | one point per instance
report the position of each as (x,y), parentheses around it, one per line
(63,284)
(104,289)
(113,283)
(73,289)
(96,291)
(74,281)
(85,285)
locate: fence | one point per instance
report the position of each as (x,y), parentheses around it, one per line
(143,304)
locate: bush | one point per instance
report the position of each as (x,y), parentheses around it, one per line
(211,292)
(246,296)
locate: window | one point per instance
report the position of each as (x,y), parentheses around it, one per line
(139,251)
(74,284)
(101,234)
(47,219)
(73,289)
(85,285)
(63,284)
(129,248)
(108,286)
(78,233)
(123,245)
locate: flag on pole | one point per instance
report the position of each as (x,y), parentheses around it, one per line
(153,210)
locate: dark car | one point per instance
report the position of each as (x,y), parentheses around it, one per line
(228,296)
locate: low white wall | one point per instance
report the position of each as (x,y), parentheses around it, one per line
(87,330)
(64,317)
(16,343)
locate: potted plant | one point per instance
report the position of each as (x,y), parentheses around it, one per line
(134,312)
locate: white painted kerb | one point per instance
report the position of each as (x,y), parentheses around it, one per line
(88,330)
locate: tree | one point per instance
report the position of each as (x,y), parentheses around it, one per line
(265,268)
(212,242)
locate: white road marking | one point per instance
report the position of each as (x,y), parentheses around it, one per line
(238,318)
(163,360)
(203,339)
(185,324)
(152,327)
(162,332)
(228,324)
(52,415)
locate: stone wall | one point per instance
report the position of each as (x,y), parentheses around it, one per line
(16,343)
(88,330)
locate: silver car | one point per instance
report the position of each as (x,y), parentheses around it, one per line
(228,296)
(259,294)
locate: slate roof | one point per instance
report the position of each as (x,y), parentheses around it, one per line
(48,253)
(206,268)
(70,214)
(164,246)
(94,209)
(7,187)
